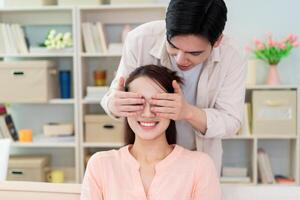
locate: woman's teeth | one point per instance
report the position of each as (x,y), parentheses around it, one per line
(148,124)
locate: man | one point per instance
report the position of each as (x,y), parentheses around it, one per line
(209,105)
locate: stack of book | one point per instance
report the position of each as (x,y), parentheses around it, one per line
(95,93)
(94,40)
(12,39)
(265,171)
(235,175)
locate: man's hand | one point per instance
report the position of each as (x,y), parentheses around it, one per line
(125,104)
(171,105)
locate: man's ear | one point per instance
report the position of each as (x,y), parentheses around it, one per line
(218,42)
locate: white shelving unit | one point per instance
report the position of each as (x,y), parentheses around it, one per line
(71,156)
(35,22)
(241,150)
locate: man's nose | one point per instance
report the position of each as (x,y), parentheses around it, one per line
(181,58)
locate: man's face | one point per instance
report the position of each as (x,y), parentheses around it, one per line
(188,50)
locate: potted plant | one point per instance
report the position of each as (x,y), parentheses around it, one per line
(271,52)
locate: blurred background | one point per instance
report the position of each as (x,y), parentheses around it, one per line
(58,58)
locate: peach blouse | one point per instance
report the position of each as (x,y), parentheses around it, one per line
(182,175)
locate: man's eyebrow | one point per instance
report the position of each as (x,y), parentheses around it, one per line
(200,51)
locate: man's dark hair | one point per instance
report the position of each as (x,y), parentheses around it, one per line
(164,78)
(205,18)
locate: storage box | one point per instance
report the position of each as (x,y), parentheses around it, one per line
(28,3)
(274,112)
(101,128)
(28,168)
(28,81)
(58,129)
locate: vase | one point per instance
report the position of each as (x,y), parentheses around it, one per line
(273,75)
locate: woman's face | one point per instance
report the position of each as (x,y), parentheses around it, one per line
(147,126)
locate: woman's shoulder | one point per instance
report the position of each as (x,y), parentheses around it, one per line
(196,157)
(105,156)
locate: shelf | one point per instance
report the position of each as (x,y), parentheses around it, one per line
(103,145)
(31,55)
(44,145)
(99,55)
(253,87)
(240,137)
(276,137)
(237,183)
(132,6)
(277,184)
(62,101)
(37,8)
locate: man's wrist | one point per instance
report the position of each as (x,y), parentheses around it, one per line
(189,113)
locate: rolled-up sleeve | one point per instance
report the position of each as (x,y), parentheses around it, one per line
(224,119)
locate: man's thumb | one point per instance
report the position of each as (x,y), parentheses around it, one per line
(121,83)
(176,87)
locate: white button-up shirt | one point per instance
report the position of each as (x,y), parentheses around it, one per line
(220,87)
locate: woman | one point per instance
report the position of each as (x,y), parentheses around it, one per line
(151,165)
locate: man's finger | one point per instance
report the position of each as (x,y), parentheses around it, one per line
(165,116)
(164,103)
(129,114)
(164,96)
(131,108)
(132,101)
(121,83)
(176,87)
(164,110)
(124,95)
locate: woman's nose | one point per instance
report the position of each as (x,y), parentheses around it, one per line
(147,111)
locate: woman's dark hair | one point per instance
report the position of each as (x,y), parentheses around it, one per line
(164,78)
(206,18)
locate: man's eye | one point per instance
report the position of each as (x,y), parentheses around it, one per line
(195,54)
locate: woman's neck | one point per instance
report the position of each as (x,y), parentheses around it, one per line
(151,151)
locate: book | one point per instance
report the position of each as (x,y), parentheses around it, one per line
(246,126)
(91,40)
(264,167)
(96,38)
(12,39)
(85,38)
(21,39)
(7,127)
(103,43)
(2,41)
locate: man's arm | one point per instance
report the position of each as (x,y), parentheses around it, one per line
(225,118)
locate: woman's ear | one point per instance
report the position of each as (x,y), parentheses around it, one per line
(218,42)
